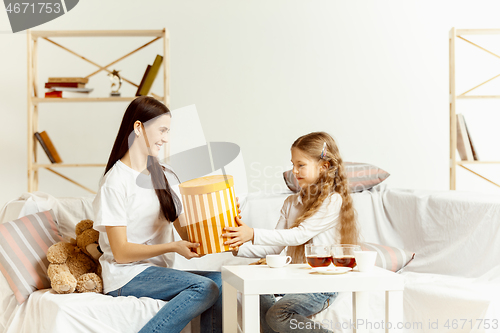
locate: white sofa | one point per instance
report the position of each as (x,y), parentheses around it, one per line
(452,285)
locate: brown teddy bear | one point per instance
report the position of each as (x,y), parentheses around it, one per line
(75,266)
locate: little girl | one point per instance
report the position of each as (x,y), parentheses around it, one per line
(321,213)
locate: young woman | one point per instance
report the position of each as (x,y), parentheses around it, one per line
(321,213)
(135,211)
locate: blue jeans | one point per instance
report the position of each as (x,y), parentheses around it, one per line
(290,313)
(189,294)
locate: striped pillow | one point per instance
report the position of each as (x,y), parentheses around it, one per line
(390,258)
(361,176)
(23,252)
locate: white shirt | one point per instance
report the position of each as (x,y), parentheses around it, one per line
(320,228)
(127,198)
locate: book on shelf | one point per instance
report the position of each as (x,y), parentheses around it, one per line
(148,68)
(69,79)
(67,87)
(50,85)
(48,147)
(65,94)
(464,146)
(149,77)
(79,90)
(474,152)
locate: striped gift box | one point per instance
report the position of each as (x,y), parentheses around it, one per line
(210,205)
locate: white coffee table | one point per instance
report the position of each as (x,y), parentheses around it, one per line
(255,280)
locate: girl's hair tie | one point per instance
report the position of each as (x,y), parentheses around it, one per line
(323,152)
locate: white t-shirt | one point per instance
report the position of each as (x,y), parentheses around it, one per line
(320,228)
(126,197)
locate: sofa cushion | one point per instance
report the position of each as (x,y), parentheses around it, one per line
(391,258)
(23,252)
(361,176)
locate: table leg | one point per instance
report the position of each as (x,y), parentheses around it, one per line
(250,313)
(393,311)
(360,311)
(229,308)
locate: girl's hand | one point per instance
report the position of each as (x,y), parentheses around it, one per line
(261,261)
(186,249)
(239,235)
(238,205)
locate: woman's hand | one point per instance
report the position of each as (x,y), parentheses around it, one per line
(186,249)
(238,235)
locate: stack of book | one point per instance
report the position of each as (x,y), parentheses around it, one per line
(67,87)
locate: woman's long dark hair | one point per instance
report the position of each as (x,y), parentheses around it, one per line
(143,109)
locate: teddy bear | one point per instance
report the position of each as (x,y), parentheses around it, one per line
(75,265)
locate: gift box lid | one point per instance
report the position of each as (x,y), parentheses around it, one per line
(206,184)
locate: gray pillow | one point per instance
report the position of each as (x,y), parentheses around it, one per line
(361,176)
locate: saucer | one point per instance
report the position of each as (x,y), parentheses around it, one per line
(332,270)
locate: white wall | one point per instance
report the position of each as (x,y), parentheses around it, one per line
(261,73)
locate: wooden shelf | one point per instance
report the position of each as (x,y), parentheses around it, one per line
(454,35)
(478,96)
(67,165)
(37,100)
(461,32)
(97,33)
(34,93)
(477,162)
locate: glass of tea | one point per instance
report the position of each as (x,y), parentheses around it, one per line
(343,255)
(318,255)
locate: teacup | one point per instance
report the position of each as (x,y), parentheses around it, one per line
(277,261)
(365,260)
(343,255)
(318,255)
